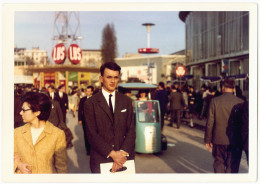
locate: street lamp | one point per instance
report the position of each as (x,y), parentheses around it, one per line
(148,50)
(148,28)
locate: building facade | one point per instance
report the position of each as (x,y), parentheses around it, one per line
(135,66)
(217,44)
(35,56)
(91,58)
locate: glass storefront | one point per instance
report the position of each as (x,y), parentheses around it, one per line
(214,36)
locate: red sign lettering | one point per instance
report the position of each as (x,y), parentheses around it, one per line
(59,53)
(74,53)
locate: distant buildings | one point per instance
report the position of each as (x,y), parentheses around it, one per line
(217,44)
(91,58)
(134,67)
(23,57)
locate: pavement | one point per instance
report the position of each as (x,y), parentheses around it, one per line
(186,151)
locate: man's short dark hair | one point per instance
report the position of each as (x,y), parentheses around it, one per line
(38,102)
(229,83)
(61,86)
(111,66)
(174,87)
(161,84)
(51,86)
(90,87)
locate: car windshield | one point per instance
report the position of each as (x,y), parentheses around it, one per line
(147,112)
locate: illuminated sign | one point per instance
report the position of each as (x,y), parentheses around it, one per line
(180,70)
(59,53)
(74,53)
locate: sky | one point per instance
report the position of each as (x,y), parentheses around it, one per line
(36,29)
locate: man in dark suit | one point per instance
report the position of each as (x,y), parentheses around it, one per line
(216,127)
(81,119)
(110,122)
(52,92)
(162,96)
(62,98)
(176,104)
(56,118)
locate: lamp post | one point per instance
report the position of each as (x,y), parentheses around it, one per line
(148,28)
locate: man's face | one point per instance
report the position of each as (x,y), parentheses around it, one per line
(89,92)
(50,90)
(110,80)
(62,89)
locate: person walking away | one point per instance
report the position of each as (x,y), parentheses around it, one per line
(109,122)
(199,99)
(39,146)
(237,132)
(162,96)
(56,118)
(73,101)
(185,97)
(192,105)
(81,119)
(176,104)
(206,102)
(62,98)
(216,127)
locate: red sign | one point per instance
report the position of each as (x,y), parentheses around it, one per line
(49,76)
(180,70)
(148,50)
(74,53)
(59,53)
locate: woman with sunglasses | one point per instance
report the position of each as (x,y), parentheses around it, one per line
(39,146)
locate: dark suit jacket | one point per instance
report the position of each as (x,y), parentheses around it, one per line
(176,101)
(81,109)
(162,96)
(237,129)
(218,117)
(56,117)
(107,132)
(63,101)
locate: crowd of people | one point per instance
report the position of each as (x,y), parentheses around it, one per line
(41,135)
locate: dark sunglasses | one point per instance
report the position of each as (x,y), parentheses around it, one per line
(24,110)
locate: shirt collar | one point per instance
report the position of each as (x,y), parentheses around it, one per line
(106,94)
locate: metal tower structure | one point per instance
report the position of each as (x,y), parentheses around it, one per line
(66,29)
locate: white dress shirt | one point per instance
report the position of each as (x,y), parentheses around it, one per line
(52,95)
(60,94)
(106,95)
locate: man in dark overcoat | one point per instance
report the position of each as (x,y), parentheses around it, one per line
(62,98)
(216,137)
(162,96)
(81,119)
(176,104)
(109,122)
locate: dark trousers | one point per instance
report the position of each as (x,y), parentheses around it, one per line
(162,119)
(176,113)
(226,158)
(87,145)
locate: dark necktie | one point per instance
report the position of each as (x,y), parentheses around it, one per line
(110,104)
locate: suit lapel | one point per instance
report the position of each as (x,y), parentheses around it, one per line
(47,129)
(103,104)
(27,135)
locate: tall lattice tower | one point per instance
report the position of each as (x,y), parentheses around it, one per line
(66,29)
